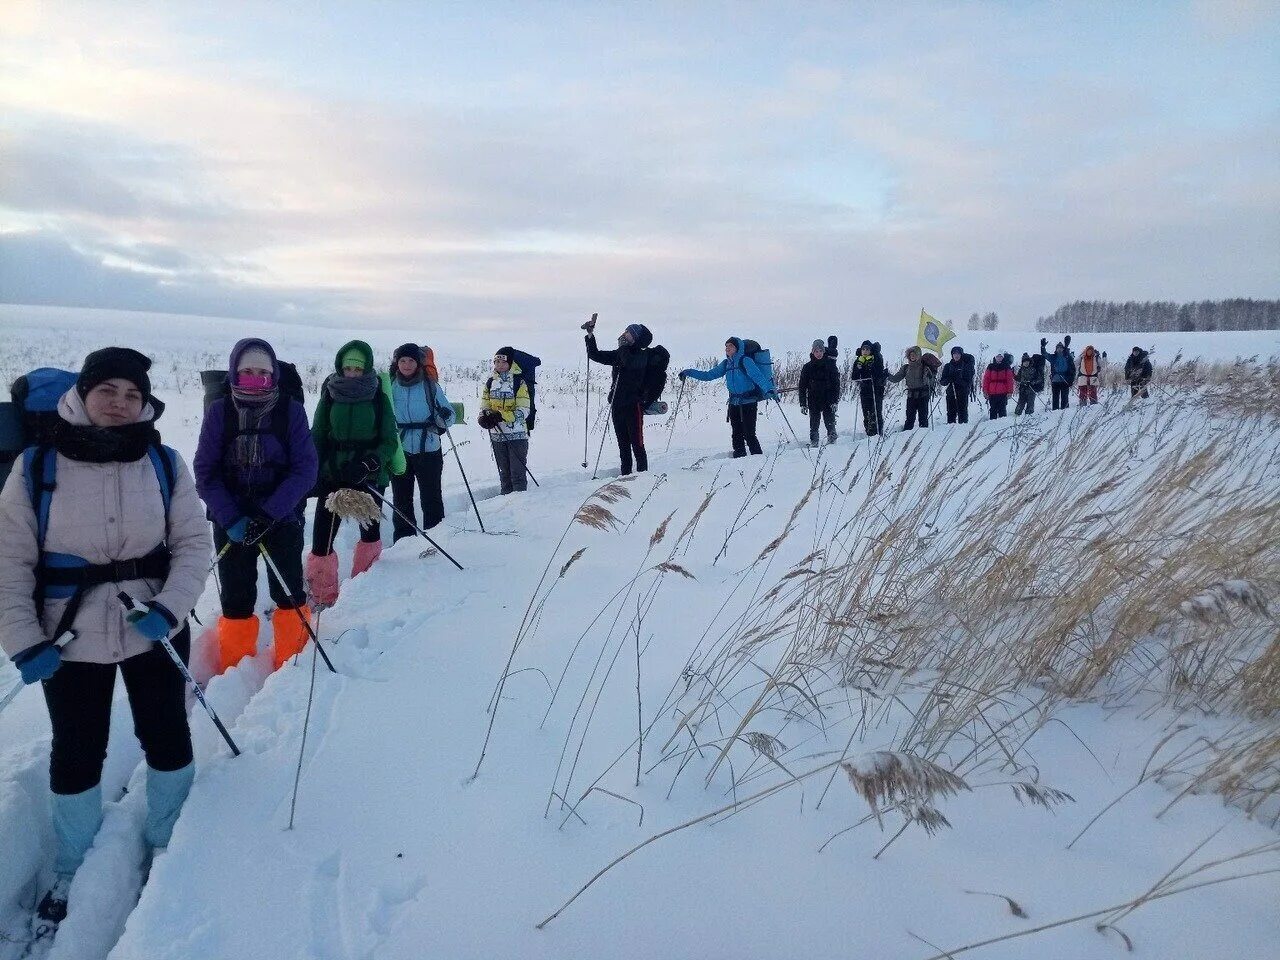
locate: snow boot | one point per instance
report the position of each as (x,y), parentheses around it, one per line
(53,907)
(290,634)
(237,639)
(322,579)
(364,557)
(166,793)
(76,819)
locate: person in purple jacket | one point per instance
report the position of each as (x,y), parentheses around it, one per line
(254,466)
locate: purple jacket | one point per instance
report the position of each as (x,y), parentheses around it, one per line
(280,485)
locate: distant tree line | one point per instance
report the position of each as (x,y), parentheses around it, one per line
(988,321)
(1104,316)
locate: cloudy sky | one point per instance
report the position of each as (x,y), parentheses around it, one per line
(494,165)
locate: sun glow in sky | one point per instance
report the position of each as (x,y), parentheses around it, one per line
(505,164)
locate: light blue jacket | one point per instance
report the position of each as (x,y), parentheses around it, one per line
(412,405)
(746,382)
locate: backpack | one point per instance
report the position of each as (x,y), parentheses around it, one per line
(29,420)
(762,359)
(528,375)
(655,376)
(217,388)
(931,367)
(429,364)
(1037,367)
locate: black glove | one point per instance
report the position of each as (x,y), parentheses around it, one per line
(489,419)
(356,473)
(590,325)
(683,375)
(1066,341)
(256,529)
(1043,342)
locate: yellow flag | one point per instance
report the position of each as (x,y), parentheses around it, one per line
(933,334)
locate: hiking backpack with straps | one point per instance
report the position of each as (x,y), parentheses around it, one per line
(65,576)
(655,375)
(762,359)
(217,388)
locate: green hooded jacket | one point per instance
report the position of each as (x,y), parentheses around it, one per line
(335,424)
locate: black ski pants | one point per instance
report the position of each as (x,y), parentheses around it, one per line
(1026,400)
(742,427)
(872,397)
(628,425)
(1061,395)
(826,415)
(324,529)
(424,469)
(917,408)
(957,405)
(238,570)
(79,700)
(999,404)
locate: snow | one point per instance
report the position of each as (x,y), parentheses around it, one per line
(397,851)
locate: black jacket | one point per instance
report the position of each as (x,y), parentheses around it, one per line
(959,375)
(869,373)
(819,383)
(630,368)
(1137,369)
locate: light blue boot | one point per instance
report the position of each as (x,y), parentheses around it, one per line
(76,819)
(166,792)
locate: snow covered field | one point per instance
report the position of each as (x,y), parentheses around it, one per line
(697,650)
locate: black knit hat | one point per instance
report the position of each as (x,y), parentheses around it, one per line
(111,363)
(408,350)
(509,353)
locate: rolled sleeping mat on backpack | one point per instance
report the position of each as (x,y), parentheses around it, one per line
(459,412)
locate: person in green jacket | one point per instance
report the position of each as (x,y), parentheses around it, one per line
(357,441)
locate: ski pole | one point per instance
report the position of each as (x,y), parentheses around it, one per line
(672,432)
(787,420)
(531,476)
(586,412)
(373,491)
(454,447)
(133,606)
(306,623)
(221,553)
(603,437)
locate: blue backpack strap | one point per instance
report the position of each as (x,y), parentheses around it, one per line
(164,460)
(40,467)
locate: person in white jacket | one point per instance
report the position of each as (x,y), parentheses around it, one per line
(103,508)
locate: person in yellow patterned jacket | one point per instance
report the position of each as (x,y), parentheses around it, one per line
(504,407)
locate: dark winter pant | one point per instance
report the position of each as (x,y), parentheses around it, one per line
(1026,401)
(424,469)
(957,406)
(825,414)
(999,404)
(872,409)
(1061,395)
(79,701)
(917,408)
(1088,395)
(324,529)
(742,426)
(238,570)
(512,457)
(628,424)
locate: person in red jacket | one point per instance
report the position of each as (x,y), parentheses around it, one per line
(998,384)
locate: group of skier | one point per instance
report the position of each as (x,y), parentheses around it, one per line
(97,500)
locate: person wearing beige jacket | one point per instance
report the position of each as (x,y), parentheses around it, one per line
(110,527)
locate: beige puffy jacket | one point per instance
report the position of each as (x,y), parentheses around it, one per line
(101,512)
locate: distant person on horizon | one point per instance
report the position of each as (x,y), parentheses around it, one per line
(1089,375)
(1137,372)
(631,388)
(1062,370)
(869,373)
(920,379)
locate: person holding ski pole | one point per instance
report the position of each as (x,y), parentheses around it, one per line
(357,442)
(998,384)
(423,413)
(869,373)
(748,384)
(958,376)
(255,463)
(103,507)
(819,390)
(627,400)
(919,383)
(1030,379)
(504,408)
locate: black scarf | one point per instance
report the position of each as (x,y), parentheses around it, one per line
(91,444)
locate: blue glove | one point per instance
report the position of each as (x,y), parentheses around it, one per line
(39,662)
(235,532)
(156,624)
(771,395)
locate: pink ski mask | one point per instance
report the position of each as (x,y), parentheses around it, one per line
(253,381)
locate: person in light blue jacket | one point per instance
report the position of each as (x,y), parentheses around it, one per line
(423,413)
(748,384)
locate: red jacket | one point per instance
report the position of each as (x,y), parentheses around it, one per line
(997,382)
